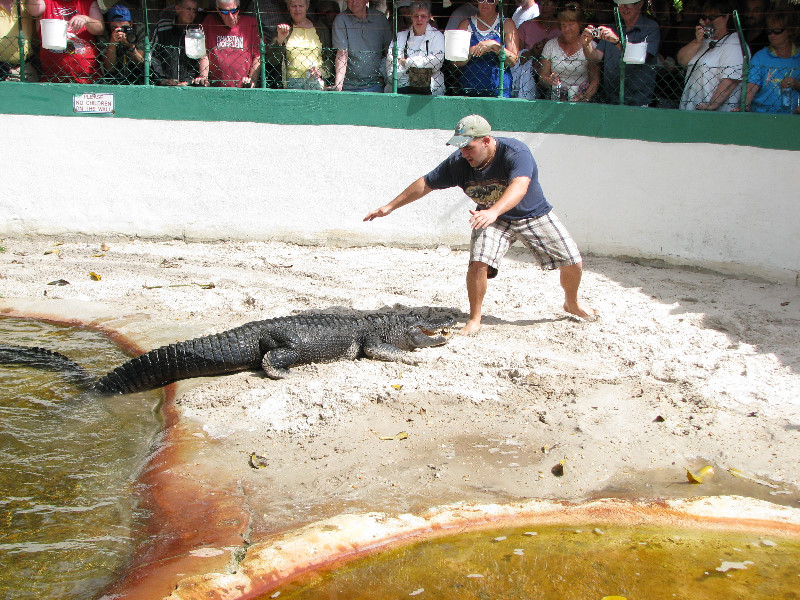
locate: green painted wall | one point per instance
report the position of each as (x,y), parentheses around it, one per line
(411,112)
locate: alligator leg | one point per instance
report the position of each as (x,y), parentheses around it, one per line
(281,351)
(377,349)
(276,362)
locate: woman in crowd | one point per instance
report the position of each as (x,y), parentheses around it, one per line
(565,68)
(775,70)
(714,63)
(420,55)
(480,73)
(533,35)
(170,64)
(79,62)
(303,47)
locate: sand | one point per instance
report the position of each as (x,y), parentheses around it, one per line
(684,369)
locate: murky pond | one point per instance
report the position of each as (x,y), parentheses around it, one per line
(68,465)
(568,563)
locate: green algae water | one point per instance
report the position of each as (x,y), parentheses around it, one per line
(68,463)
(568,563)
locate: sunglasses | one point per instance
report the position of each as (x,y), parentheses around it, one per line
(775,31)
(487,1)
(709,17)
(231,11)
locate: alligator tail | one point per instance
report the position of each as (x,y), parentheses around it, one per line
(227,352)
(42,358)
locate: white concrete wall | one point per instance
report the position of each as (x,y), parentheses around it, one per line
(729,208)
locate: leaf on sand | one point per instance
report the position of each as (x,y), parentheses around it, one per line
(704,473)
(257,461)
(59,282)
(94,276)
(56,252)
(403,435)
(558,469)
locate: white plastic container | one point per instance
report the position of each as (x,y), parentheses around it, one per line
(456,44)
(54,34)
(635,54)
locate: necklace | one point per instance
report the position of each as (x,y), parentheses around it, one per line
(487,162)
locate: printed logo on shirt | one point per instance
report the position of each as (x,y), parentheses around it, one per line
(65,12)
(485,193)
(230,41)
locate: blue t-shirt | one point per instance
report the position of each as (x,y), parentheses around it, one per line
(513,159)
(767,71)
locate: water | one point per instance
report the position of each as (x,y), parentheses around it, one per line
(568,563)
(68,461)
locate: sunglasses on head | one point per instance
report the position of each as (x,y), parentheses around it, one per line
(230,11)
(776,31)
(486,1)
(709,17)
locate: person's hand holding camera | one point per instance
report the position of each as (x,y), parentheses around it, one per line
(120,37)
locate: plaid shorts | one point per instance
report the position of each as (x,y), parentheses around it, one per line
(545,236)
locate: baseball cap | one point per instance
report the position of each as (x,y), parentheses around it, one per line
(118,13)
(468,129)
(626,1)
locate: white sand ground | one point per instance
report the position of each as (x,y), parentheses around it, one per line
(684,369)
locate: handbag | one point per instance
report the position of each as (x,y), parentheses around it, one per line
(419,78)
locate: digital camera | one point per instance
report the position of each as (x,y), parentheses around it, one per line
(708,31)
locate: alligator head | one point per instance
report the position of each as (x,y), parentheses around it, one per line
(424,332)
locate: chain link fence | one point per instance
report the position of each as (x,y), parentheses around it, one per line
(257,44)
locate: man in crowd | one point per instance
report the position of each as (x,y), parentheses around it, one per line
(640,79)
(122,48)
(361,36)
(501,176)
(232,42)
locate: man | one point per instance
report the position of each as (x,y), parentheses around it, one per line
(640,79)
(361,36)
(501,176)
(122,48)
(232,42)
(170,64)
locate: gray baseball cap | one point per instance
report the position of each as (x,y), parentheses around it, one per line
(469,128)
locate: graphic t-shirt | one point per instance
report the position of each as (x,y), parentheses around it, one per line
(513,159)
(231,51)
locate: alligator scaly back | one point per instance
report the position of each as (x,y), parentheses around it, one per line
(227,352)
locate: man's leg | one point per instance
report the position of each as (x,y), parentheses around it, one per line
(570,281)
(477,282)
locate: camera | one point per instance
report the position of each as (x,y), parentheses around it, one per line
(596,33)
(708,31)
(130,35)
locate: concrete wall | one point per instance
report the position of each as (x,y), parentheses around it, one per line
(725,207)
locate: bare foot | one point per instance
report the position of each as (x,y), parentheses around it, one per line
(585,314)
(471,328)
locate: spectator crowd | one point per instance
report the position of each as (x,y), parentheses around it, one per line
(712,55)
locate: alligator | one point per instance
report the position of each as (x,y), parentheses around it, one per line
(272,344)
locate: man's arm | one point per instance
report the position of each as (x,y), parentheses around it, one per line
(514,193)
(415,191)
(341,69)
(35,7)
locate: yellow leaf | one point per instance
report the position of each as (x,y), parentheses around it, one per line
(94,276)
(56,252)
(402,435)
(614,598)
(397,386)
(704,473)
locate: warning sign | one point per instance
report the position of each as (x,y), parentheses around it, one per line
(93,103)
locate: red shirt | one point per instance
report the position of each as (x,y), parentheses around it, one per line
(231,51)
(79,62)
